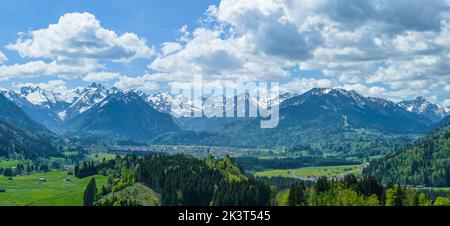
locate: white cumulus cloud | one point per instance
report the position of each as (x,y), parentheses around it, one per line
(380,47)
(39,68)
(76,44)
(57,86)
(80,35)
(101,76)
(3,58)
(143,83)
(301,85)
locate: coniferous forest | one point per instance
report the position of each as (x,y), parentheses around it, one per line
(425,163)
(180,181)
(185,181)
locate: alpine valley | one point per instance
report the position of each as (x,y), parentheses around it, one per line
(128,142)
(328,120)
(225,103)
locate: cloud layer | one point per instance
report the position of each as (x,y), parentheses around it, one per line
(400,47)
(388,48)
(80,36)
(75,45)
(3,58)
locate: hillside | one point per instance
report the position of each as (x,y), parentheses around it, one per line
(423,107)
(41,106)
(425,163)
(180,180)
(137,193)
(28,144)
(226,167)
(21,136)
(444,121)
(14,115)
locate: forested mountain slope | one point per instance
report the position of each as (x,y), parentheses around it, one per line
(180,181)
(16,142)
(121,115)
(14,115)
(425,163)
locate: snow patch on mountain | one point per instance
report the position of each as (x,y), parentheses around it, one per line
(163,102)
(38,96)
(176,105)
(85,98)
(422,106)
(62,115)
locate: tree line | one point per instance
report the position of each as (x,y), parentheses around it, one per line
(353,191)
(424,163)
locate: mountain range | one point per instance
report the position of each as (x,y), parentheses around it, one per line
(423,107)
(22,136)
(304,118)
(328,119)
(14,115)
(351,110)
(125,115)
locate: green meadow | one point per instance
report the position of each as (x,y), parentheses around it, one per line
(56,191)
(313,171)
(9,163)
(98,157)
(446,189)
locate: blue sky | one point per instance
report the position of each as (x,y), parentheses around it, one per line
(393,49)
(157,21)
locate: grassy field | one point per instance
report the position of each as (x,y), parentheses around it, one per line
(9,163)
(313,171)
(71,153)
(435,188)
(27,191)
(98,157)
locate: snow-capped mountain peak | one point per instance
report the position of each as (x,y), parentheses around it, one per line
(330,93)
(336,92)
(163,102)
(85,98)
(54,109)
(422,106)
(38,96)
(41,105)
